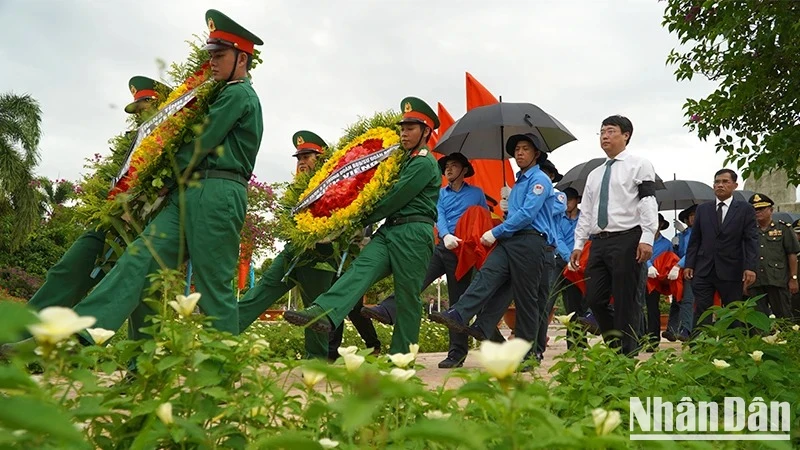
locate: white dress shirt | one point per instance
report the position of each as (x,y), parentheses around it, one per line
(725,208)
(625,209)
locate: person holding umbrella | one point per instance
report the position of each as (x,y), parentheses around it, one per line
(517,261)
(454,199)
(681,313)
(620,214)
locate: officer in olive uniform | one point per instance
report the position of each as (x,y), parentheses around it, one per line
(403,246)
(215,203)
(796,295)
(776,278)
(74,275)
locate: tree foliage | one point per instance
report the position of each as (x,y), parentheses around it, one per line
(751,49)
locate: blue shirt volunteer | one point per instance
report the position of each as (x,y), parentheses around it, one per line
(452,205)
(531,193)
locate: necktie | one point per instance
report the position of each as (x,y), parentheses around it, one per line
(719,213)
(602,212)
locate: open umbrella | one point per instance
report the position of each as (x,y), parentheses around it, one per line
(576,177)
(482,132)
(681,194)
(742,195)
(784,216)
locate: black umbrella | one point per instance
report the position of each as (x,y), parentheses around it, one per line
(576,177)
(743,195)
(786,217)
(681,194)
(482,132)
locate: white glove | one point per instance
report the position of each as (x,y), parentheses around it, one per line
(504,205)
(678,225)
(673,273)
(676,240)
(505,191)
(652,272)
(450,241)
(488,239)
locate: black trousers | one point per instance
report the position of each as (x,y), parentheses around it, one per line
(653,328)
(443,262)
(704,288)
(612,269)
(796,307)
(546,300)
(515,264)
(364,327)
(574,301)
(776,299)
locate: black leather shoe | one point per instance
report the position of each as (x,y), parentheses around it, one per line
(452,320)
(669,335)
(314,317)
(449,363)
(377,313)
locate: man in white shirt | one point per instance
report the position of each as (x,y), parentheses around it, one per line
(620,214)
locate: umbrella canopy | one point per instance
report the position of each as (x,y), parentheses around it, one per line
(482,132)
(784,216)
(681,194)
(742,195)
(576,177)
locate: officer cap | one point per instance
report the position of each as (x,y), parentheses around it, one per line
(142,89)
(760,201)
(307,142)
(417,111)
(224,32)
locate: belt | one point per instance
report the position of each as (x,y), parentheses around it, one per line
(608,234)
(223,175)
(392,221)
(528,232)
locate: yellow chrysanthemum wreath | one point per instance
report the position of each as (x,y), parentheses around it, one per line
(309,230)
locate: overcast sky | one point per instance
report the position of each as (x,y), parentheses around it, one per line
(326,63)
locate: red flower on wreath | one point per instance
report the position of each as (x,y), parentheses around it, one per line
(344,192)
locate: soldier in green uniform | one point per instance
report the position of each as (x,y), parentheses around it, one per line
(275,282)
(403,246)
(796,295)
(776,278)
(214,206)
(74,275)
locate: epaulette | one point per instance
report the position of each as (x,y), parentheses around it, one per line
(234,82)
(784,224)
(420,152)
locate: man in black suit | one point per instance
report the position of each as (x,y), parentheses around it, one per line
(723,249)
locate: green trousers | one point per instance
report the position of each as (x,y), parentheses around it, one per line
(71,279)
(401,250)
(269,289)
(214,214)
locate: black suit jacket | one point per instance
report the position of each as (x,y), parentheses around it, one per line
(728,250)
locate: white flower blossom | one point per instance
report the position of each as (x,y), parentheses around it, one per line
(57,323)
(402,360)
(352,362)
(164,413)
(436,414)
(347,350)
(413,349)
(605,421)
(401,374)
(312,377)
(100,335)
(501,360)
(564,320)
(756,355)
(328,443)
(720,364)
(184,305)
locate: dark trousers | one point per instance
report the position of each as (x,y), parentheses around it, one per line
(364,327)
(704,288)
(653,328)
(681,314)
(613,270)
(776,300)
(574,301)
(544,298)
(796,307)
(443,262)
(516,261)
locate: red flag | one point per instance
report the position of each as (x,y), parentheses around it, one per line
(445,119)
(488,172)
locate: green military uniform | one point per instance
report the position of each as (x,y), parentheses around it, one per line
(402,247)
(73,276)
(214,206)
(796,296)
(776,243)
(312,282)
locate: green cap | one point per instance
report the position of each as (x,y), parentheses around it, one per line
(307,142)
(224,32)
(142,89)
(417,111)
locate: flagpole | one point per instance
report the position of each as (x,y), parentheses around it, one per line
(502,149)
